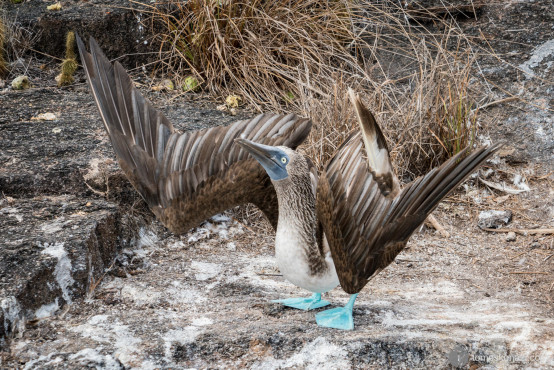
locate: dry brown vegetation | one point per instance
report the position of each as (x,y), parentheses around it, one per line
(3,63)
(301,56)
(16,40)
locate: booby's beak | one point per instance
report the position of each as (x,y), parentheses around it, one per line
(272,159)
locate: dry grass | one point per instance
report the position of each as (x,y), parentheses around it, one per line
(3,63)
(301,56)
(17,40)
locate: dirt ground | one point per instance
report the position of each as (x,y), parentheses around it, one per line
(203,299)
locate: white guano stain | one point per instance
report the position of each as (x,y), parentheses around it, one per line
(317,354)
(62,272)
(11,310)
(540,53)
(47,310)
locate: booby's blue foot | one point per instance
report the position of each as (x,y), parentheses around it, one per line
(305,304)
(338,318)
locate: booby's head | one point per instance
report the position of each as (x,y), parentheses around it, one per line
(274,159)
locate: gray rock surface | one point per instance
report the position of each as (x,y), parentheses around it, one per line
(52,249)
(114,24)
(52,157)
(195,302)
(514,44)
(52,172)
(493,219)
(424,10)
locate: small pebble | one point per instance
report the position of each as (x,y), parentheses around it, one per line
(21,83)
(511,237)
(494,219)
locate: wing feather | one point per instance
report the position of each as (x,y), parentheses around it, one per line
(365,228)
(185,178)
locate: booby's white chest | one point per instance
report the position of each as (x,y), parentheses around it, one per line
(292,258)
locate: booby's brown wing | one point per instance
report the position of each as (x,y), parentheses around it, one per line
(365,226)
(185,178)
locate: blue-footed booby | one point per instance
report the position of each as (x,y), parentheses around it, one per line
(350,223)
(184,177)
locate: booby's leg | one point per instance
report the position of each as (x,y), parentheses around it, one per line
(305,304)
(338,318)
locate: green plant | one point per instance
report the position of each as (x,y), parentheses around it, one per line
(190,84)
(456,121)
(288,97)
(69,64)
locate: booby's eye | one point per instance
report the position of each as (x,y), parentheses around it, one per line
(284,160)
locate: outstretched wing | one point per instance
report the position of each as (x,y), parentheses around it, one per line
(365,226)
(185,178)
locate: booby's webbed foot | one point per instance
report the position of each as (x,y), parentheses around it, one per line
(305,304)
(338,318)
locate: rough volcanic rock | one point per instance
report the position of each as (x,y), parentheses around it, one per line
(193,302)
(56,235)
(115,24)
(426,10)
(61,156)
(51,250)
(494,219)
(47,157)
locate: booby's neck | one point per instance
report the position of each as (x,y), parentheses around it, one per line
(297,211)
(298,254)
